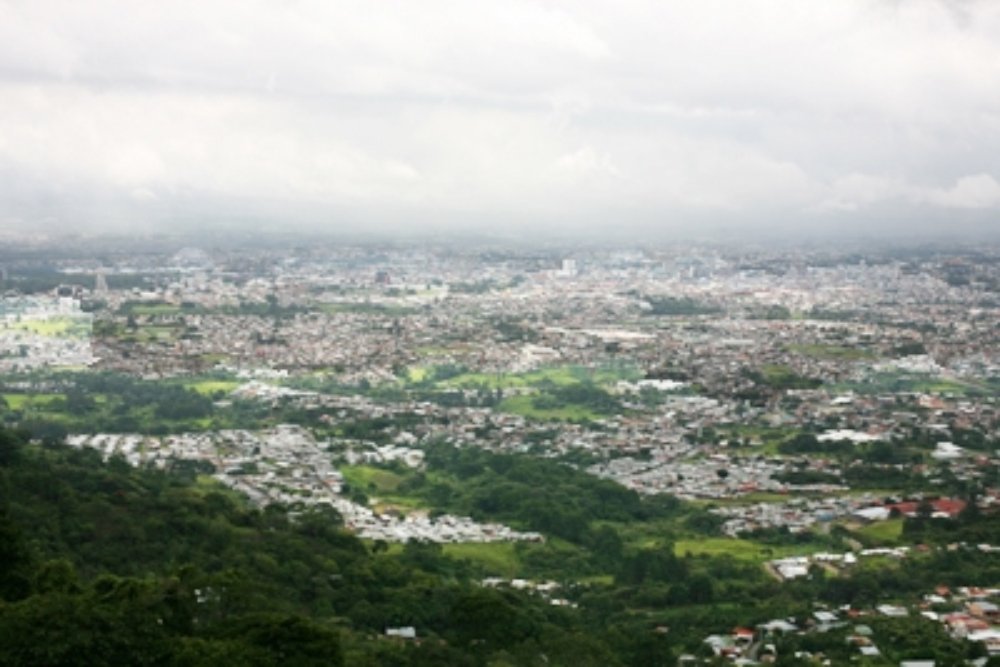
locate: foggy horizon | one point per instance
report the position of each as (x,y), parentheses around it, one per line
(861,119)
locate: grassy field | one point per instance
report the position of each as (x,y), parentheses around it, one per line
(559,375)
(160,332)
(106,413)
(884,532)
(737,548)
(893,382)
(769,437)
(950,387)
(369,478)
(782,376)
(522,405)
(146,333)
(384,504)
(211,387)
(154,309)
(496,558)
(55,327)
(417,374)
(29,401)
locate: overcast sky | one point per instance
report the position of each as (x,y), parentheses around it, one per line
(490,114)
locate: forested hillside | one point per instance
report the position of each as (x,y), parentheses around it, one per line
(105,564)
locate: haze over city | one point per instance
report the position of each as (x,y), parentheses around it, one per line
(500,333)
(765,116)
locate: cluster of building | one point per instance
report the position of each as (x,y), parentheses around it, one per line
(43,332)
(712,476)
(712,346)
(967,612)
(364,312)
(287,465)
(799,514)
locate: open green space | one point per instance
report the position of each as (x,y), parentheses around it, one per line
(417,374)
(956,387)
(392,503)
(525,406)
(54,327)
(906,382)
(747,550)
(780,376)
(558,375)
(108,402)
(30,401)
(212,387)
(499,558)
(883,532)
(752,439)
(159,332)
(370,478)
(144,332)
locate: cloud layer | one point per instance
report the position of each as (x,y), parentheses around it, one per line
(567,114)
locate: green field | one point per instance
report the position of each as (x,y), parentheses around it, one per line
(522,405)
(949,387)
(29,401)
(495,558)
(113,407)
(369,478)
(559,375)
(896,382)
(738,548)
(55,327)
(884,532)
(769,437)
(784,377)
(417,374)
(159,330)
(211,387)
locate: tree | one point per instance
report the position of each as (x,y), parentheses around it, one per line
(290,640)
(700,589)
(10,448)
(15,560)
(491,616)
(607,545)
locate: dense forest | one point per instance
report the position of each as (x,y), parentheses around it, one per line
(105,564)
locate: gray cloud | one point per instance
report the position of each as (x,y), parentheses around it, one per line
(560,113)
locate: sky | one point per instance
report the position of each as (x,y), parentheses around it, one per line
(572,116)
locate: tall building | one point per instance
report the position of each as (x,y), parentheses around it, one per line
(100,283)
